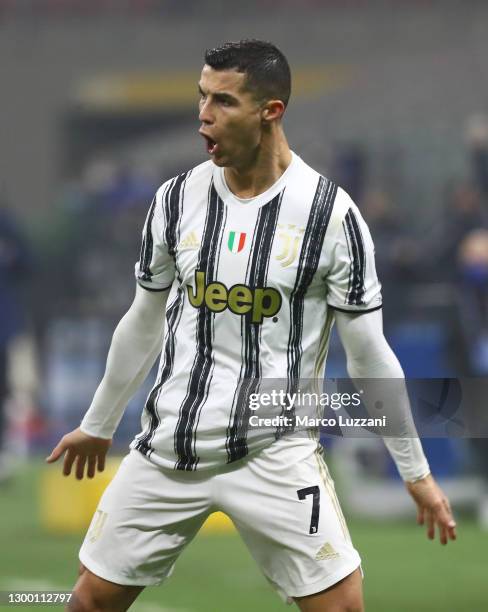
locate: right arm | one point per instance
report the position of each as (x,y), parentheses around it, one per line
(136,343)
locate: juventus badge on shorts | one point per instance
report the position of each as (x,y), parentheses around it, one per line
(236,241)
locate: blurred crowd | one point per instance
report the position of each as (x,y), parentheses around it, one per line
(443,263)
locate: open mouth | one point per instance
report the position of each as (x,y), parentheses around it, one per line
(211,144)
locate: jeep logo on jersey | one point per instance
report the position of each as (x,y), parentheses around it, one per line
(240,299)
(236,241)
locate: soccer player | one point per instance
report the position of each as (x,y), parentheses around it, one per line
(252,256)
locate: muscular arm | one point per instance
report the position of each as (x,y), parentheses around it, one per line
(135,346)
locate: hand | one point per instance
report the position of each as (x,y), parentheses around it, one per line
(86,450)
(433,508)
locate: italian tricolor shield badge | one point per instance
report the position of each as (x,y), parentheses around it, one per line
(236,241)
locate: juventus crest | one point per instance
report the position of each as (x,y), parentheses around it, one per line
(291,236)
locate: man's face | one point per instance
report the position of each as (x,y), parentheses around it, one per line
(230,116)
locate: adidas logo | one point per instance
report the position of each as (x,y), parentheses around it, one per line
(326,552)
(189,242)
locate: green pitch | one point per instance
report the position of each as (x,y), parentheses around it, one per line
(404,572)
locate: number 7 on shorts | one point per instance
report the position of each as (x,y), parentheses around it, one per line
(315,491)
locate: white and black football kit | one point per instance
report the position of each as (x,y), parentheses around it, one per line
(253,287)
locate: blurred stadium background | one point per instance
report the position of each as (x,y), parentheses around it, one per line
(99,97)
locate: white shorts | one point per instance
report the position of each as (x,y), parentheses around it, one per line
(281,500)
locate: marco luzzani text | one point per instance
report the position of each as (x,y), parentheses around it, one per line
(289,402)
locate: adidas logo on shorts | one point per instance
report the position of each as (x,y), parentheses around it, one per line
(326,552)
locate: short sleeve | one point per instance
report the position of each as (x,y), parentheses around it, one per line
(352,282)
(155,269)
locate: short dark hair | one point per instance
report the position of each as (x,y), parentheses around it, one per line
(267,70)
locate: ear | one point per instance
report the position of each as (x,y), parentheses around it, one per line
(272,110)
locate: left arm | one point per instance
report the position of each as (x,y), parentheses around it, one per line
(368,357)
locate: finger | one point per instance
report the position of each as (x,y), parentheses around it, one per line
(430,525)
(420,515)
(446,520)
(451,525)
(56,453)
(444,516)
(80,466)
(68,462)
(452,532)
(92,462)
(443,534)
(101,462)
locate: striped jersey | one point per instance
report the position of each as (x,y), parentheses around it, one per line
(253,287)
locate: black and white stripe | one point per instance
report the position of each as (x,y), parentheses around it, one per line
(357,254)
(203,363)
(250,374)
(145,256)
(173,210)
(172,204)
(173,317)
(313,239)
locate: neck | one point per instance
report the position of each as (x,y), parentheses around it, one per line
(272,159)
